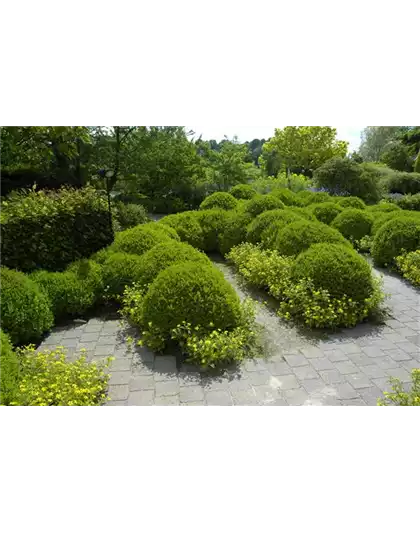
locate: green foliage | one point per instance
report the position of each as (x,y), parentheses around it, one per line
(303,148)
(326,211)
(351,201)
(417,164)
(263,202)
(48,230)
(404,183)
(242,192)
(163,256)
(269,234)
(398,157)
(394,238)
(187,226)
(409,266)
(353,224)
(10,370)
(286,196)
(25,310)
(292,182)
(130,215)
(219,200)
(212,223)
(298,236)
(383,207)
(48,379)
(399,395)
(336,268)
(234,231)
(375,140)
(304,212)
(141,238)
(345,177)
(218,347)
(316,198)
(263,221)
(122,269)
(316,308)
(409,202)
(190,292)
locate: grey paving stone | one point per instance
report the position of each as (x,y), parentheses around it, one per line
(141,353)
(103,350)
(244,397)
(306,372)
(409,365)
(73,333)
(167,388)
(165,376)
(361,359)
(193,404)
(355,402)
(215,384)
(373,371)
(165,364)
(266,394)
(118,392)
(219,397)
(332,376)
(373,351)
(191,394)
(278,368)
(371,395)
(106,341)
(312,352)
(260,377)
(346,367)
(415,339)
(349,347)
(359,380)
(312,385)
(239,385)
(116,403)
(69,343)
(284,383)
(398,355)
(140,369)
(346,392)
(296,396)
(296,360)
(120,378)
(141,398)
(92,328)
(89,337)
(385,362)
(400,373)
(254,365)
(167,400)
(189,378)
(336,355)
(383,384)
(408,347)
(142,383)
(120,365)
(323,363)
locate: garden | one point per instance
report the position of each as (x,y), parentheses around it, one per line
(316,234)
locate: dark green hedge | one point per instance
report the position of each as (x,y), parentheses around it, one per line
(50,229)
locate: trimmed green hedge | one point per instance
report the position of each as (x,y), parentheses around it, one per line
(394,238)
(263,202)
(49,230)
(243,192)
(326,211)
(10,370)
(25,310)
(141,238)
(353,223)
(219,200)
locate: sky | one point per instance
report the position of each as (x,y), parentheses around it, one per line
(247,133)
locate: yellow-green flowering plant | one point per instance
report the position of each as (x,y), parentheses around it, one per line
(409,266)
(399,396)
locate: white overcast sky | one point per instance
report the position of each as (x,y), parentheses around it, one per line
(247,133)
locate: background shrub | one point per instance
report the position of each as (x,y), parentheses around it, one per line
(316,198)
(119,270)
(298,236)
(194,293)
(353,224)
(141,238)
(257,227)
(287,196)
(404,183)
(304,212)
(335,268)
(25,310)
(212,223)
(263,202)
(164,255)
(326,212)
(383,207)
(219,200)
(10,370)
(130,215)
(394,238)
(242,192)
(351,201)
(49,230)
(410,202)
(187,226)
(234,231)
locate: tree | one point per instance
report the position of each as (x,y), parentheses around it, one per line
(302,149)
(376,139)
(398,157)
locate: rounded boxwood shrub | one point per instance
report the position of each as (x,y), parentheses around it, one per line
(212,223)
(141,238)
(351,201)
(235,230)
(219,200)
(164,255)
(187,226)
(269,234)
(242,192)
(88,272)
(263,202)
(335,268)
(194,293)
(304,212)
(25,310)
(130,215)
(353,224)
(394,238)
(383,207)
(120,270)
(10,370)
(67,293)
(298,236)
(265,220)
(287,196)
(317,198)
(326,212)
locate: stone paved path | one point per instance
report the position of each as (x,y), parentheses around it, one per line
(347,368)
